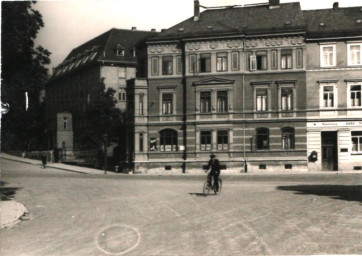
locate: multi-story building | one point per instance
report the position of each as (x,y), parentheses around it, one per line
(225,81)
(110,58)
(334,87)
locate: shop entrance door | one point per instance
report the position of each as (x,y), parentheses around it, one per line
(329,151)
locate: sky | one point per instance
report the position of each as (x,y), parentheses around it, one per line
(70,23)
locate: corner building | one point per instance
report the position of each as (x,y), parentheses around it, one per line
(227,82)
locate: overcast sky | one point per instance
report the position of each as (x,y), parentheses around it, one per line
(71,23)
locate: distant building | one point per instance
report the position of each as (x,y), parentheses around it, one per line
(112,57)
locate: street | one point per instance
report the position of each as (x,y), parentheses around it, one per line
(116,214)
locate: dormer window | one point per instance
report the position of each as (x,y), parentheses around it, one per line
(120,52)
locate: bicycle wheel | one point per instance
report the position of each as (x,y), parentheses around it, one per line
(220,186)
(206,189)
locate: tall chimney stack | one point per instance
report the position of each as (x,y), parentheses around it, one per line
(196,10)
(335,5)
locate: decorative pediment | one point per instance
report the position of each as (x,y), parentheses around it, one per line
(213,81)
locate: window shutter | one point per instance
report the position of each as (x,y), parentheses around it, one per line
(252,64)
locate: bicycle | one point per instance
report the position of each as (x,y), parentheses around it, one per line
(207,188)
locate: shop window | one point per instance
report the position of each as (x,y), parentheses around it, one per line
(354,54)
(154,66)
(167,65)
(356,141)
(205,102)
(205,62)
(287,138)
(286,59)
(222,140)
(168,140)
(261,99)
(167,103)
(222,101)
(262,139)
(205,138)
(328,55)
(222,61)
(355,94)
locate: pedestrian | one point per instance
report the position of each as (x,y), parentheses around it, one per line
(214,167)
(44,160)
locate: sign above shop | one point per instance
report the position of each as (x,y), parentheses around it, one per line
(334,124)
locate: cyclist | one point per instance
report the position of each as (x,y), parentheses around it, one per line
(214,167)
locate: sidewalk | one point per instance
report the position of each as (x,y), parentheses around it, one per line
(61,166)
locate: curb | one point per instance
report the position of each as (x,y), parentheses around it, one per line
(12,213)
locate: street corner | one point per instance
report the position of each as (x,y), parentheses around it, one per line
(11,213)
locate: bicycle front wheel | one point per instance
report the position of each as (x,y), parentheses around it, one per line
(206,188)
(220,186)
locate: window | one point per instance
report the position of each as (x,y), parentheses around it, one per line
(286,59)
(262,139)
(167,103)
(222,101)
(193,63)
(354,54)
(328,96)
(261,100)
(168,140)
(357,141)
(287,138)
(205,102)
(122,95)
(120,52)
(328,55)
(154,66)
(222,140)
(261,60)
(222,61)
(141,142)
(356,96)
(65,123)
(179,65)
(252,62)
(235,61)
(167,66)
(205,140)
(274,60)
(141,104)
(286,99)
(299,58)
(205,62)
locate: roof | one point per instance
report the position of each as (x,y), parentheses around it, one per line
(334,22)
(104,48)
(248,20)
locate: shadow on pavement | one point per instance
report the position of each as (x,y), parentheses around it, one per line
(7,193)
(341,192)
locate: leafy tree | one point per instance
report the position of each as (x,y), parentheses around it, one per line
(105,123)
(23,71)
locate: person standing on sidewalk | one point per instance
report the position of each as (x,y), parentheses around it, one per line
(214,167)
(44,160)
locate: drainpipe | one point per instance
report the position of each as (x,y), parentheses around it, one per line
(184,103)
(245,163)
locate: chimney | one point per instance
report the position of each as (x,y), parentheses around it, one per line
(134,28)
(196,10)
(274,4)
(153,30)
(335,5)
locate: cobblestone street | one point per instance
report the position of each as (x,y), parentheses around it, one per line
(78,214)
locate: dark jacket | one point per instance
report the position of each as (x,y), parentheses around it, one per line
(214,166)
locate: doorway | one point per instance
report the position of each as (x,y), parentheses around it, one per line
(329,151)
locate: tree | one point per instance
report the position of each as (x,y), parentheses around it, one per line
(105,123)
(23,73)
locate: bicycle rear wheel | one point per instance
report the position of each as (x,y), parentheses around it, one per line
(206,188)
(220,186)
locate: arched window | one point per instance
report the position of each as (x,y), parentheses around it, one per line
(287,138)
(262,138)
(168,140)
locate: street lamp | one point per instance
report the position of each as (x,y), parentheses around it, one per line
(105,138)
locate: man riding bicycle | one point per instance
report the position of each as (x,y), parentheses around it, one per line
(214,167)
